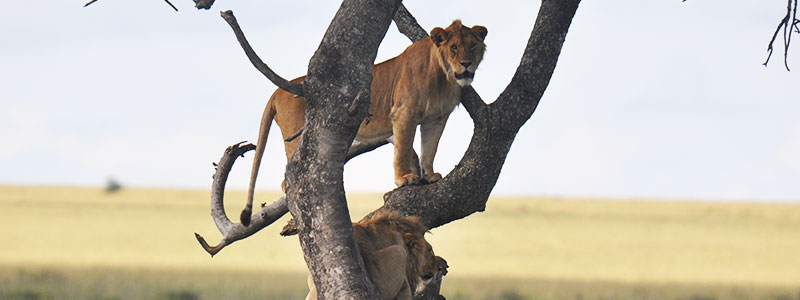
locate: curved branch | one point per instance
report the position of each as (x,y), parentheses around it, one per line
(233,232)
(282,83)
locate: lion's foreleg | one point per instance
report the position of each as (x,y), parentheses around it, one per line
(404,132)
(430,133)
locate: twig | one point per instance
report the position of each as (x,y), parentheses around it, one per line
(173,6)
(787,23)
(282,83)
(170,4)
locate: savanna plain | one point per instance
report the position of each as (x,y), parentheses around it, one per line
(84,243)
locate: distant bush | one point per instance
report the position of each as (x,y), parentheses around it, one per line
(112,186)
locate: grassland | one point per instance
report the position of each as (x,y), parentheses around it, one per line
(81,243)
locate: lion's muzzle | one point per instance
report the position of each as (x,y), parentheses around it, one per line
(465,78)
(465,74)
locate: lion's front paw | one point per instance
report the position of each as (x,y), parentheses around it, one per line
(431,178)
(407,179)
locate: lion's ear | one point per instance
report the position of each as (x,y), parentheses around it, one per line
(438,35)
(480,31)
(411,240)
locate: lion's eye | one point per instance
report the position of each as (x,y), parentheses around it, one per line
(454,47)
(472,46)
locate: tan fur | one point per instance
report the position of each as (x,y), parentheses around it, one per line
(398,259)
(421,86)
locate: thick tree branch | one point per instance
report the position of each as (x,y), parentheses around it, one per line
(407,24)
(282,83)
(232,232)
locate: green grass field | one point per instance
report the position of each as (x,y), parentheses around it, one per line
(81,243)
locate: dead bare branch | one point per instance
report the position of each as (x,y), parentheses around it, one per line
(282,83)
(170,4)
(787,23)
(233,232)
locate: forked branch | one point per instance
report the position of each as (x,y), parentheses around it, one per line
(787,25)
(232,232)
(282,83)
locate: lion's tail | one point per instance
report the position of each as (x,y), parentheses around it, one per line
(263,133)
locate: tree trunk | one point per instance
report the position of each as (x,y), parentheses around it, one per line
(339,77)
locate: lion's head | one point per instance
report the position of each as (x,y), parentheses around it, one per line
(423,263)
(461,49)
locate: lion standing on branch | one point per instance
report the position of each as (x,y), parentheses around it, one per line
(421,87)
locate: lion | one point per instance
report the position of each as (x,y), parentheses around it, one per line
(421,86)
(399,261)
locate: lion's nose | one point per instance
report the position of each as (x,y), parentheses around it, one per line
(466,63)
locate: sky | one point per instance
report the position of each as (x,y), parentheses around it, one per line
(649,100)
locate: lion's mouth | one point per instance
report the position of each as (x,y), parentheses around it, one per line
(466,74)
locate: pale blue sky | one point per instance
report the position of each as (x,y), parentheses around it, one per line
(663,99)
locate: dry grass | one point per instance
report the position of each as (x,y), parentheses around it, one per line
(81,243)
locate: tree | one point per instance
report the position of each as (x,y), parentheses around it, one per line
(337,93)
(337,85)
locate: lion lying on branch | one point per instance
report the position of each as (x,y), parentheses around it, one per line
(399,261)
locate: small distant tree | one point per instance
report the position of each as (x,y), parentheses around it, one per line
(112,185)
